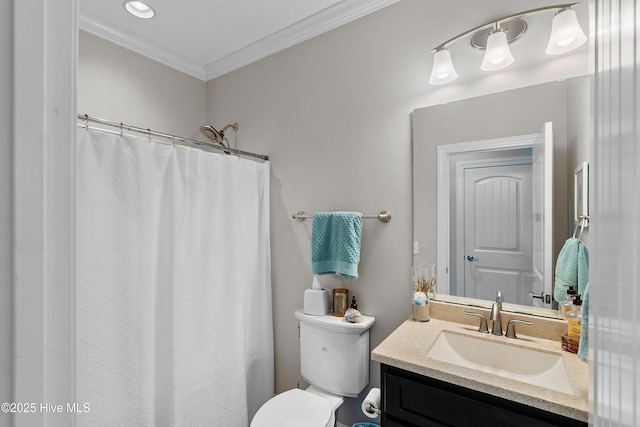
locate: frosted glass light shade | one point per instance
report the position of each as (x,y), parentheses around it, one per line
(566,33)
(443,70)
(498,55)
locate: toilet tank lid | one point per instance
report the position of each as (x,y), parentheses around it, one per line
(334,323)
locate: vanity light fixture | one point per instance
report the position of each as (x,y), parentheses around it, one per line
(497,54)
(494,38)
(566,33)
(139,9)
(443,70)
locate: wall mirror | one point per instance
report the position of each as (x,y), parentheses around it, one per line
(505,116)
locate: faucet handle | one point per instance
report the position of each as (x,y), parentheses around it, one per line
(483,321)
(511,329)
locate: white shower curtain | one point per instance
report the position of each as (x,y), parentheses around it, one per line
(174,324)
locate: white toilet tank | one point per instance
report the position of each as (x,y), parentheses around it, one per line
(334,354)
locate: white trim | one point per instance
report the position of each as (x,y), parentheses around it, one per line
(95,25)
(581,181)
(328,19)
(45,49)
(6,201)
(443,212)
(547,129)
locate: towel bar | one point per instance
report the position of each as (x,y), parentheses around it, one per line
(383,216)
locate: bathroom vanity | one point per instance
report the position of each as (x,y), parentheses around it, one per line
(446,373)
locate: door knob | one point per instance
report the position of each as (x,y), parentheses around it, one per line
(542,296)
(471,258)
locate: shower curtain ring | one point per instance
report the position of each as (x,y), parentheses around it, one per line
(149,135)
(86,122)
(121,130)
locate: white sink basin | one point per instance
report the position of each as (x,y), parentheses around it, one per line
(540,368)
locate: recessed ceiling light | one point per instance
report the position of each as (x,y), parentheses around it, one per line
(139,9)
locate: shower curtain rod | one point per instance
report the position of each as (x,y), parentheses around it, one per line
(129,128)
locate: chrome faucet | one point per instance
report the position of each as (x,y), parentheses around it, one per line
(511,327)
(483,321)
(496,315)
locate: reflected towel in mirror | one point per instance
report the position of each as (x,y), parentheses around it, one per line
(583,346)
(572,269)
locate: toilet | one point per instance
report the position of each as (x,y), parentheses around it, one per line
(334,360)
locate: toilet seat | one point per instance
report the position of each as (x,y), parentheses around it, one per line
(295,408)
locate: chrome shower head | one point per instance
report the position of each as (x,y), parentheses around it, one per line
(212,134)
(215,135)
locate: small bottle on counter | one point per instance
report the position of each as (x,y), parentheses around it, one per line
(354,305)
(566,306)
(574,318)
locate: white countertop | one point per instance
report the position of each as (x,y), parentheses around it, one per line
(406,348)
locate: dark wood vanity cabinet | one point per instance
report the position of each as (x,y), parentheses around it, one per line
(412,400)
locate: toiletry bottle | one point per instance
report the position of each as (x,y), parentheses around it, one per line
(340,301)
(574,318)
(354,305)
(566,306)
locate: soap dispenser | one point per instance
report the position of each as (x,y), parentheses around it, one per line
(574,319)
(566,306)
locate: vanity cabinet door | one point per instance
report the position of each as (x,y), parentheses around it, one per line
(411,400)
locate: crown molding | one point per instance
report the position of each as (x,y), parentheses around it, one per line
(122,37)
(321,22)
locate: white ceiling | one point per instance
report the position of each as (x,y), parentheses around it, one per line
(208,38)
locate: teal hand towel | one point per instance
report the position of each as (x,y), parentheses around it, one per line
(572,269)
(583,345)
(335,243)
(583,269)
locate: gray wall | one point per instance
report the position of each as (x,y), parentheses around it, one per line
(579,139)
(119,85)
(6,205)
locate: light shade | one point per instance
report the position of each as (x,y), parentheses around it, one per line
(566,33)
(443,70)
(498,55)
(139,9)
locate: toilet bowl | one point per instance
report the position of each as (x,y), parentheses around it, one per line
(334,359)
(294,408)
